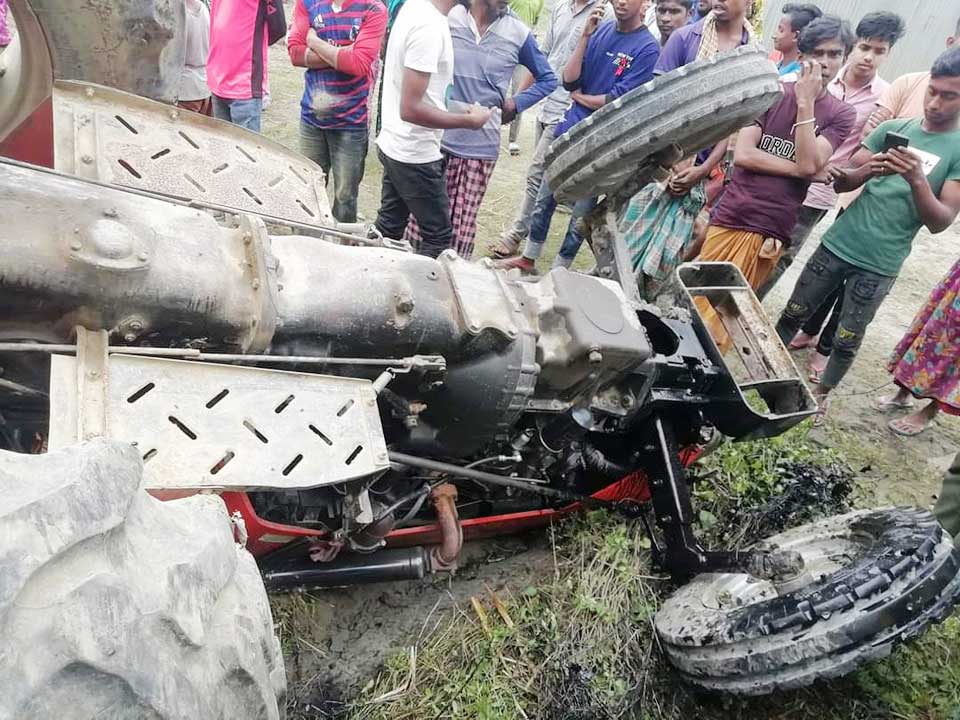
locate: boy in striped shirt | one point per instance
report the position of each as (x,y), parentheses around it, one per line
(338,42)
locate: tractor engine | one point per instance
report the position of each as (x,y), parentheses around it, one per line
(545,378)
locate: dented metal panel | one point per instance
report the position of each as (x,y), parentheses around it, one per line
(115,137)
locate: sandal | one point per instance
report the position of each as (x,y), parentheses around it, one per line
(815,376)
(889,404)
(898,427)
(797,344)
(505,248)
(823,406)
(524,265)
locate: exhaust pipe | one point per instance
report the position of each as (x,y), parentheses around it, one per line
(302,573)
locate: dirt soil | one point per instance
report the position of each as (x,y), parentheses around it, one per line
(335,641)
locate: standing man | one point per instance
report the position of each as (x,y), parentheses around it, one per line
(786,38)
(338,42)
(776,158)
(610,60)
(529,11)
(193,93)
(672,15)
(947,508)
(905,188)
(240,32)
(418,73)
(906,96)
(489,43)
(662,221)
(722,30)
(903,99)
(566,25)
(858,84)
(701,9)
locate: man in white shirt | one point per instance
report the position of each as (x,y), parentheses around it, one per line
(417,76)
(193,93)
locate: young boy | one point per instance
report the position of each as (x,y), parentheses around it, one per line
(566,24)
(338,44)
(776,158)
(858,84)
(610,60)
(795,17)
(905,188)
(672,15)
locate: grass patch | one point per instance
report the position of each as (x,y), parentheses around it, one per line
(582,646)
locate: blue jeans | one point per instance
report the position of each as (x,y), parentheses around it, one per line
(544,208)
(245,113)
(341,154)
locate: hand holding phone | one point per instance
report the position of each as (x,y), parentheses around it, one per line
(895,140)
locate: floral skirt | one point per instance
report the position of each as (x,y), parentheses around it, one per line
(927,360)
(5,36)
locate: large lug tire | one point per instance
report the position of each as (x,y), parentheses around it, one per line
(134,45)
(692,107)
(878,577)
(116,605)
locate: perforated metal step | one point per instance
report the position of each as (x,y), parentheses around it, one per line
(115,137)
(202,425)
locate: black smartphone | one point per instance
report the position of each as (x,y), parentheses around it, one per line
(895,140)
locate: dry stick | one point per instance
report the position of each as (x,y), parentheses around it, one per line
(310,645)
(429,615)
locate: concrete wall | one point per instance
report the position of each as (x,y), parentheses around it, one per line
(929,23)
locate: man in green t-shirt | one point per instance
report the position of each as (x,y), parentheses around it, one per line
(905,188)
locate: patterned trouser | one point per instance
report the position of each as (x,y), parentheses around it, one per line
(467,181)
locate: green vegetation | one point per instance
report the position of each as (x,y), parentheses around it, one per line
(582,646)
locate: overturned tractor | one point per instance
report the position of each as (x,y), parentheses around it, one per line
(361,410)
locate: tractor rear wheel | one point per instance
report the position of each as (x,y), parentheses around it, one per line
(116,605)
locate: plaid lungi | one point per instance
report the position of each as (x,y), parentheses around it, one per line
(467,180)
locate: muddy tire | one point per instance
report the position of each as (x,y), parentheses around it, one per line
(136,45)
(116,605)
(878,578)
(693,107)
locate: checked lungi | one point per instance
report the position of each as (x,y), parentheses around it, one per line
(467,180)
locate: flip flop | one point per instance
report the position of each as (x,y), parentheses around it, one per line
(794,345)
(912,431)
(815,375)
(823,407)
(889,404)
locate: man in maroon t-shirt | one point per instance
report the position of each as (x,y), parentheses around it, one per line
(777,158)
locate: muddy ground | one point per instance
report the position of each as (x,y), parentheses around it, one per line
(335,641)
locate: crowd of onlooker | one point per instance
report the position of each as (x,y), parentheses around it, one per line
(452,73)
